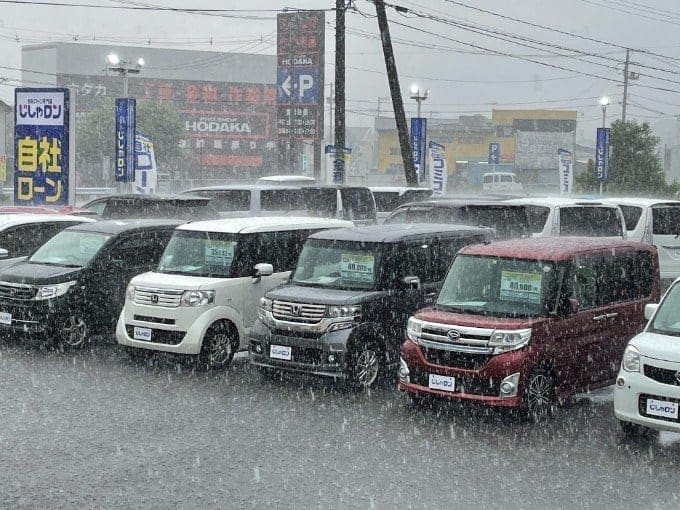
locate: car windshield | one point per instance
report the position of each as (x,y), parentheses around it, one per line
(500,287)
(666,220)
(208,254)
(666,321)
(338,265)
(71,248)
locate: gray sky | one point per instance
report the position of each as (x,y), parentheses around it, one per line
(463,77)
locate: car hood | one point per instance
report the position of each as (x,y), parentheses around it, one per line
(175,281)
(39,274)
(655,346)
(323,296)
(476,321)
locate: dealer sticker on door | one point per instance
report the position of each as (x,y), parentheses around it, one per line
(524,287)
(442,382)
(662,408)
(6,318)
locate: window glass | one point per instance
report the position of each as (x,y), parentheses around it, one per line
(388,200)
(506,178)
(97,207)
(24,239)
(590,221)
(70,248)
(488,178)
(412,259)
(666,220)
(631,215)
(141,249)
(358,204)
(321,201)
(208,254)
(228,200)
(445,251)
(282,200)
(538,216)
(666,321)
(400,216)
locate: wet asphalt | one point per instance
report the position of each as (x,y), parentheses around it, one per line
(93,429)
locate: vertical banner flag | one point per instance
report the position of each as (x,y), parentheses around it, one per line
(438,170)
(3,168)
(146,172)
(566,171)
(125,140)
(336,162)
(602,155)
(41,146)
(418,145)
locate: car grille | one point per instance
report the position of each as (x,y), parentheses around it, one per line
(463,339)
(662,375)
(156,320)
(160,336)
(158,297)
(304,313)
(483,387)
(17,292)
(455,359)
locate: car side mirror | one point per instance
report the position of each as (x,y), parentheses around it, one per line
(574,305)
(410,283)
(650,310)
(261,270)
(3,253)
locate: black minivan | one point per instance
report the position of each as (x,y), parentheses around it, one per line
(344,311)
(74,284)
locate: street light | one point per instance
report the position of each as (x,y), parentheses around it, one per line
(604,102)
(419,95)
(124,68)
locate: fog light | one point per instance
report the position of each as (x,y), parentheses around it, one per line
(331,358)
(404,373)
(509,386)
(620,382)
(258,348)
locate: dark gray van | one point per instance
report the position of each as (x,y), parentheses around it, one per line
(344,312)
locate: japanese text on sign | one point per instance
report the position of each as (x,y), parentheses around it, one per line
(219,253)
(356,267)
(525,287)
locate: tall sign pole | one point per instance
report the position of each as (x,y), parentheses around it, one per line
(395,92)
(340,75)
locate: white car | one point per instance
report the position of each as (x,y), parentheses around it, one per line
(501,181)
(647,391)
(203,297)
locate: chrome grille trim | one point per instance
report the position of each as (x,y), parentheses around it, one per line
(471,340)
(17,291)
(167,298)
(307,313)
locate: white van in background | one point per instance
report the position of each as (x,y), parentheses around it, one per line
(501,181)
(287,180)
(655,221)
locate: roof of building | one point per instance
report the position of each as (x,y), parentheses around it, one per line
(396,232)
(255,224)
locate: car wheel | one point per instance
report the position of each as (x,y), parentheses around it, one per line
(633,431)
(366,365)
(218,347)
(539,396)
(74,332)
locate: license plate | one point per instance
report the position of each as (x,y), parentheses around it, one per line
(442,382)
(6,318)
(280,352)
(662,408)
(142,334)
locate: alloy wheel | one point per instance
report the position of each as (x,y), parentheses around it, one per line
(367,367)
(74,332)
(540,397)
(220,349)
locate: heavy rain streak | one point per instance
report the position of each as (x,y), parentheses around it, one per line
(340,254)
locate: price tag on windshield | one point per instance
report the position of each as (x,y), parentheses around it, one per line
(89,245)
(524,287)
(355,267)
(219,253)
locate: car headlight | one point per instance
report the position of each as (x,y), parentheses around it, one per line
(504,341)
(130,292)
(198,297)
(413,329)
(52,291)
(264,308)
(348,311)
(631,359)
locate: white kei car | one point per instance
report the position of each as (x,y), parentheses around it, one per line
(647,391)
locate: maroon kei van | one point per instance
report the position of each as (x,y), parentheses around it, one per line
(529,322)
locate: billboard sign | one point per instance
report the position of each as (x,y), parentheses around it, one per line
(336,161)
(602,155)
(438,170)
(566,171)
(419,145)
(125,140)
(494,153)
(300,75)
(41,146)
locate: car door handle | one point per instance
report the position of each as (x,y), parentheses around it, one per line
(610,315)
(600,317)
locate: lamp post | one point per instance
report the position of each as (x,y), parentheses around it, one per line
(419,96)
(604,102)
(124,68)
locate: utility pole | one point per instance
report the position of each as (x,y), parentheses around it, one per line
(340,75)
(625,85)
(331,98)
(395,92)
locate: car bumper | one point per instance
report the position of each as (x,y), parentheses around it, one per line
(34,319)
(479,383)
(631,396)
(322,354)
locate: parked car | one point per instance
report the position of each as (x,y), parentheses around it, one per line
(529,322)
(501,182)
(254,200)
(655,221)
(286,180)
(22,233)
(74,284)
(202,298)
(561,216)
(647,391)
(350,296)
(131,206)
(34,209)
(388,198)
(506,219)
(353,203)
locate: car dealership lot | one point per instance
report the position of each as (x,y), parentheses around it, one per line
(91,428)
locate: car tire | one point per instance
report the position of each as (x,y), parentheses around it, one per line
(74,332)
(632,431)
(366,365)
(539,396)
(219,344)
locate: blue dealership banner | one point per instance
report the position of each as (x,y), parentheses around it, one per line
(125,140)
(418,145)
(41,146)
(602,155)
(438,169)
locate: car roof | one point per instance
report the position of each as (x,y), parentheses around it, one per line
(240,187)
(14,219)
(392,233)
(284,178)
(452,203)
(255,224)
(558,201)
(151,198)
(118,226)
(550,248)
(641,202)
(397,189)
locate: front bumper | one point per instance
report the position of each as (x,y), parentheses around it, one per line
(323,354)
(34,319)
(630,398)
(479,382)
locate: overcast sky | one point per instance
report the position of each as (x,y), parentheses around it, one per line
(453,60)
